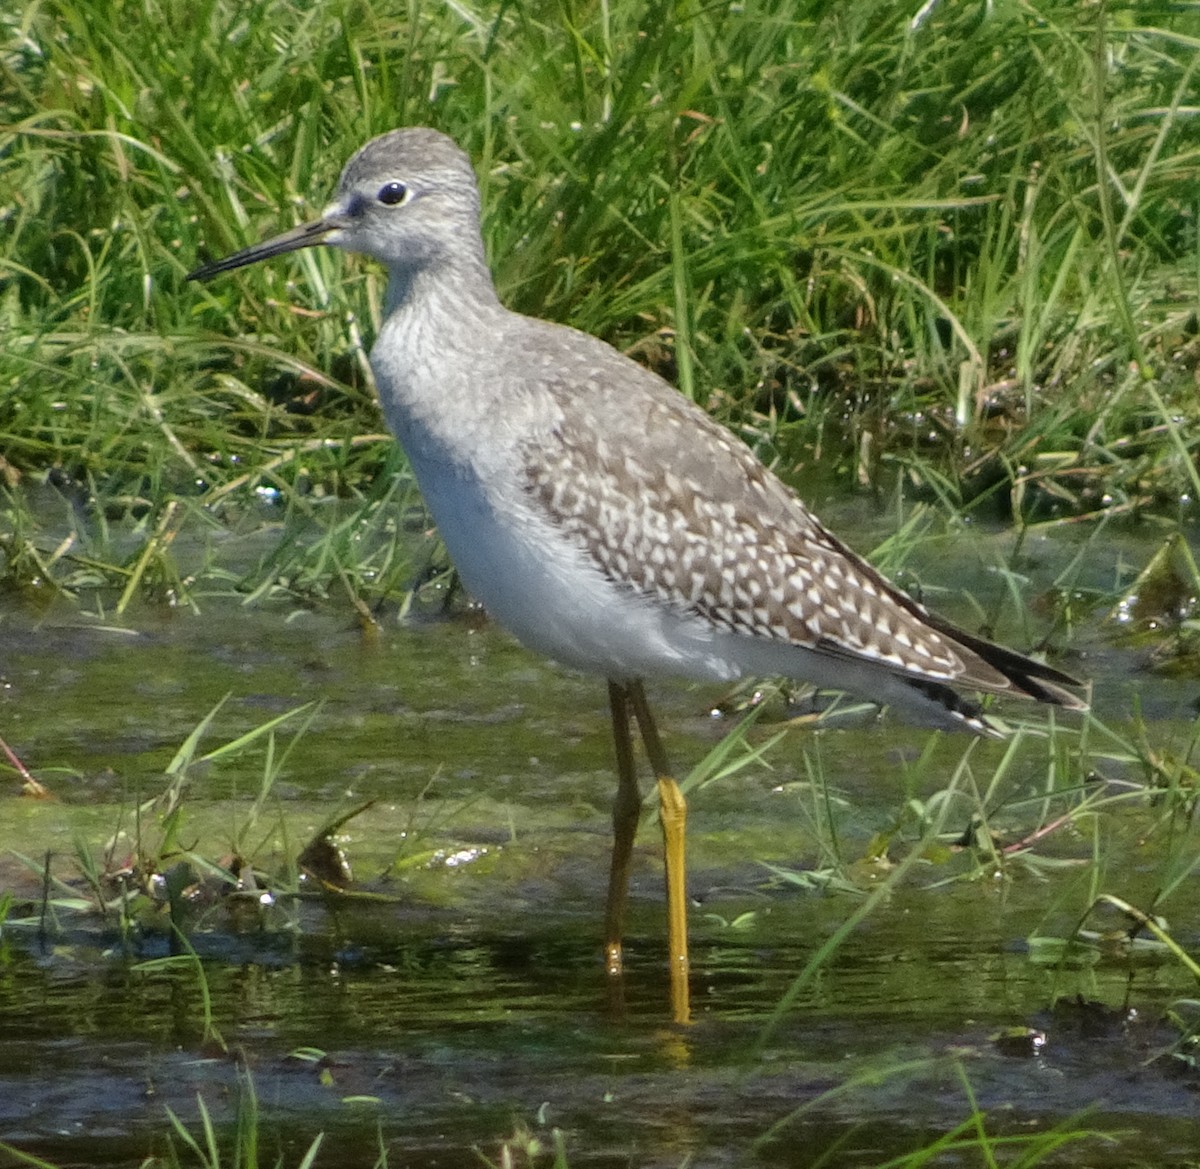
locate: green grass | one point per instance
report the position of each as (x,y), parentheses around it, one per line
(966,249)
(953,262)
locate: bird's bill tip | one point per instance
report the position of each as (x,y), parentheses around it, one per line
(304,236)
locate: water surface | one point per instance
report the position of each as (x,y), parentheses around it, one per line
(454,998)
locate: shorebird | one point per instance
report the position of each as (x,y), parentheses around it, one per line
(608,522)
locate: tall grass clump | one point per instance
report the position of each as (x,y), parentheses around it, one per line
(959,236)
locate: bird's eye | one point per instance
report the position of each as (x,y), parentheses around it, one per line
(392,193)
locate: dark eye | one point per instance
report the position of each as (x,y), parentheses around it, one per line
(392,193)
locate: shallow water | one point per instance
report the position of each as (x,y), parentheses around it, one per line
(455,998)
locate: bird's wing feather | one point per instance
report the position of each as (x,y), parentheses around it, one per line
(696,521)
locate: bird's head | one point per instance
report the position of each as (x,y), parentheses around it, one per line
(408,199)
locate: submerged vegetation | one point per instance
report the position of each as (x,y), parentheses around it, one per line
(944,257)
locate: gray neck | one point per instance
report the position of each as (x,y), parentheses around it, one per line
(461,277)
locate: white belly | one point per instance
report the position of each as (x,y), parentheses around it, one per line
(547,593)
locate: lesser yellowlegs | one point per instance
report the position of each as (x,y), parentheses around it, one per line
(605,520)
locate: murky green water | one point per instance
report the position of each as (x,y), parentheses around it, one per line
(458,996)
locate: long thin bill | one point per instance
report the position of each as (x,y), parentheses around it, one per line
(304,236)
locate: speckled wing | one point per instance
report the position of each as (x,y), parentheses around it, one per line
(708,530)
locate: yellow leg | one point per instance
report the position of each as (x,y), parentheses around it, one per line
(672,808)
(627,808)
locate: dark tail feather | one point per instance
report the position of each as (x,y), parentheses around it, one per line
(1034,679)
